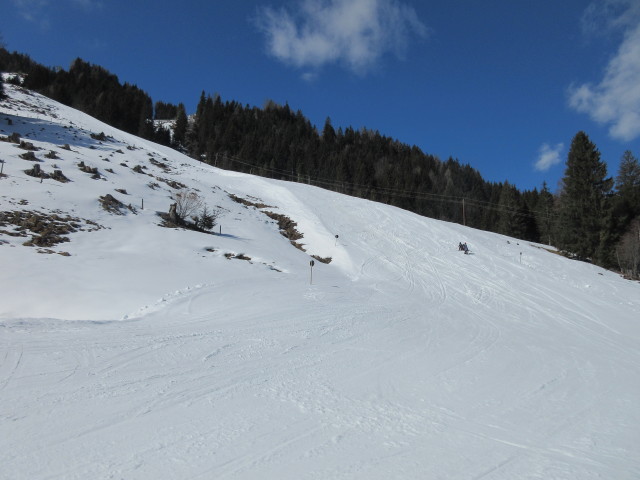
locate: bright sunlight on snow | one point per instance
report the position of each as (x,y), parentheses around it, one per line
(138,351)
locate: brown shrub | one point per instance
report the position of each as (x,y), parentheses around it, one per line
(322,259)
(287,228)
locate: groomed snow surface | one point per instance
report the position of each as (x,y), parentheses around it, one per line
(147,353)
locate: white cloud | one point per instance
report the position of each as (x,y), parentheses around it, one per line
(548,156)
(355,33)
(615,101)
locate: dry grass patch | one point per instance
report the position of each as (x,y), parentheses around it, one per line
(46,230)
(322,259)
(249,203)
(93,171)
(165,167)
(115,206)
(172,183)
(287,228)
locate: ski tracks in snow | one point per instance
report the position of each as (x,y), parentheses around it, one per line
(10,364)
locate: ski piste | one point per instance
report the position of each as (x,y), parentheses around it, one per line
(152,352)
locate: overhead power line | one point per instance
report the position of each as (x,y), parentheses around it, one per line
(388,191)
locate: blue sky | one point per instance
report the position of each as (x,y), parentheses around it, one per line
(501,85)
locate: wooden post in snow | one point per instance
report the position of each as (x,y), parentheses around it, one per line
(311,263)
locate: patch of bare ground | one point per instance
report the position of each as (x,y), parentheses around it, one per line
(140,169)
(322,259)
(287,228)
(172,183)
(237,256)
(46,230)
(13,138)
(115,206)
(163,166)
(93,171)
(37,172)
(255,202)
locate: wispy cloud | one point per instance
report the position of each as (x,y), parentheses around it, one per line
(615,101)
(36,11)
(310,76)
(548,156)
(606,16)
(88,4)
(30,4)
(31,10)
(353,33)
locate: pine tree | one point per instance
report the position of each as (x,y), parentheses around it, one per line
(584,207)
(626,213)
(515,218)
(626,203)
(628,250)
(509,222)
(328,133)
(180,130)
(545,213)
(165,111)
(628,180)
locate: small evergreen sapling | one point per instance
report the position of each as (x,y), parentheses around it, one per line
(207,218)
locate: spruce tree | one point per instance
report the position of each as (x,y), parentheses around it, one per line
(510,222)
(165,111)
(180,130)
(328,133)
(545,213)
(584,208)
(628,180)
(2,94)
(626,208)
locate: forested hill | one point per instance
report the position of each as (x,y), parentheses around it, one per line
(278,142)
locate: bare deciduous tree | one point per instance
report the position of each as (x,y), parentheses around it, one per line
(187,203)
(628,250)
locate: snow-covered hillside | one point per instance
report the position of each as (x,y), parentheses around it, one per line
(137,351)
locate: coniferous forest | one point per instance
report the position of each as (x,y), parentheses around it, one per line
(593,217)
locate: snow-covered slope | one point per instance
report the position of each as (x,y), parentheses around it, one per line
(144,352)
